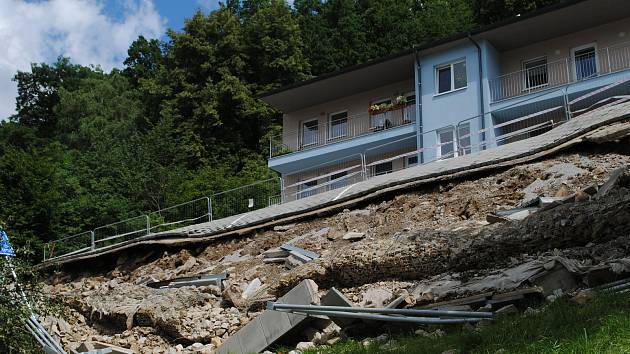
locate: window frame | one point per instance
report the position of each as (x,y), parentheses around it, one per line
(439,142)
(301,136)
(407,158)
(574,66)
(526,76)
(450,65)
(330,126)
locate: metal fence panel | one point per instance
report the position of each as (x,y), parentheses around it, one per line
(190,213)
(121,231)
(243,199)
(69,245)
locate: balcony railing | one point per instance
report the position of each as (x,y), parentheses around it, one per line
(340,129)
(583,65)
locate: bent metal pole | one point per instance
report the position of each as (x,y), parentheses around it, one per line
(388,318)
(383,311)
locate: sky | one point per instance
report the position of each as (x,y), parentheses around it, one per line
(88,31)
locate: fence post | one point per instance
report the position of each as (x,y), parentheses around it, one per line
(92,240)
(567,105)
(608,56)
(282,194)
(148,224)
(45,245)
(209,208)
(566,60)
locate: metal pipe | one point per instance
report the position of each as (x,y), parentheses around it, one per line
(386,318)
(482,109)
(609,285)
(418,83)
(408,312)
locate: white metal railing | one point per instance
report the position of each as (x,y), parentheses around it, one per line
(583,65)
(339,129)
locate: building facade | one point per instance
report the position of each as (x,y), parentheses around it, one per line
(458,96)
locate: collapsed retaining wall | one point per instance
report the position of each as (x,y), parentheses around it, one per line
(431,252)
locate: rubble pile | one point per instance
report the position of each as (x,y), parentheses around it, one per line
(443,245)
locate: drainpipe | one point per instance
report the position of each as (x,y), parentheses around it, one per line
(482,112)
(419,140)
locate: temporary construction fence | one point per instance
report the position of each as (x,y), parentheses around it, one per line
(320,178)
(190,213)
(70,244)
(234,201)
(526,119)
(121,231)
(246,198)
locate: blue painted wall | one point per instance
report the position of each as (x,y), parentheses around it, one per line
(442,110)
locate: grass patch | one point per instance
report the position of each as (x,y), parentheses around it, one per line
(601,326)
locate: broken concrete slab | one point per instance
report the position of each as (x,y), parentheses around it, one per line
(200,280)
(270,326)
(251,288)
(493,218)
(275,260)
(276,252)
(292,262)
(611,182)
(289,248)
(376,297)
(301,257)
(556,278)
(506,310)
(353,236)
(335,298)
(507,213)
(95,347)
(520,215)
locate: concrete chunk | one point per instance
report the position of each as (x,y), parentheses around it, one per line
(335,298)
(289,248)
(611,182)
(275,253)
(353,236)
(270,326)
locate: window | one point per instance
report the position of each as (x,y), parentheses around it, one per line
(338,180)
(310,133)
(306,189)
(451,77)
(380,120)
(446,143)
(535,73)
(383,168)
(411,161)
(338,127)
(464,138)
(586,63)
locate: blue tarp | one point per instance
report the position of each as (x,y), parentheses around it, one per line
(5,245)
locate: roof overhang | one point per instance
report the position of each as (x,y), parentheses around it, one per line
(561,21)
(546,23)
(343,83)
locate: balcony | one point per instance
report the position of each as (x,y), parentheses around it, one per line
(340,128)
(539,75)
